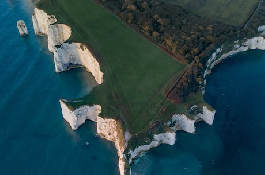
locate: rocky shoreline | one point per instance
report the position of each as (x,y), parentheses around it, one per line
(71,55)
(247,44)
(66,55)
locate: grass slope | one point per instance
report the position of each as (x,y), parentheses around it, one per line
(135,70)
(234,12)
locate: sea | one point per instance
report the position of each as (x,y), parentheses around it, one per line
(36,140)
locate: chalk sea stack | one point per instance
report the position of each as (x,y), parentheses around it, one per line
(22,28)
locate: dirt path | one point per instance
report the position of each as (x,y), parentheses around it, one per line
(253,14)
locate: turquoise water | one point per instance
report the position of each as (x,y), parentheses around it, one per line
(235,144)
(35,139)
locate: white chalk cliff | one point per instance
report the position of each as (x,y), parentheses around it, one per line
(41,21)
(44,25)
(165,138)
(70,55)
(76,54)
(250,44)
(22,28)
(112,131)
(77,117)
(206,115)
(106,128)
(182,122)
(66,55)
(57,35)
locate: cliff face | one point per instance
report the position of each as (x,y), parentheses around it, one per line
(41,21)
(77,117)
(177,122)
(111,130)
(76,54)
(182,122)
(44,25)
(57,34)
(207,115)
(66,55)
(250,44)
(165,138)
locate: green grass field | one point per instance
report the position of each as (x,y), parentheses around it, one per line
(234,12)
(135,70)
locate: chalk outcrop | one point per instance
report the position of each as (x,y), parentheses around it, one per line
(165,138)
(76,54)
(206,115)
(255,43)
(70,55)
(251,44)
(177,122)
(182,122)
(22,28)
(44,25)
(77,117)
(66,55)
(41,21)
(261,28)
(57,35)
(111,130)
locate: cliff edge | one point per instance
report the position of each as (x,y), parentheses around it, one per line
(66,55)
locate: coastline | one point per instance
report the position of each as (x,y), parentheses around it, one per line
(257,42)
(57,34)
(37,130)
(44,25)
(166,138)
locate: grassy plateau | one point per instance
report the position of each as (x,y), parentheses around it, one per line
(136,71)
(234,12)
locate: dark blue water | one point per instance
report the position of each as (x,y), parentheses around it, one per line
(34,138)
(235,144)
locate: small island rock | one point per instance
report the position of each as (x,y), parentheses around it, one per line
(23,31)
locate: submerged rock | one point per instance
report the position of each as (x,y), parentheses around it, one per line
(22,28)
